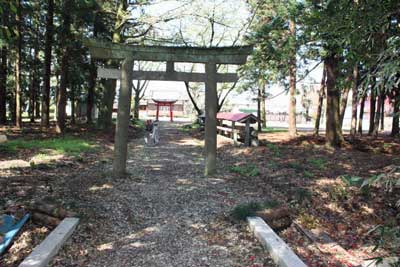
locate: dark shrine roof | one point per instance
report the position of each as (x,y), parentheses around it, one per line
(237,117)
(164,101)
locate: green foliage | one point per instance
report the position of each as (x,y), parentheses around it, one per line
(274,148)
(274,130)
(308,174)
(350,180)
(301,196)
(295,165)
(338,193)
(242,211)
(308,220)
(139,124)
(68,145)
(249,170)
(387,236)
(318,163)
(190,127)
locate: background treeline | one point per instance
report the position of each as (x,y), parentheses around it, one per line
(44,64)
(357,42)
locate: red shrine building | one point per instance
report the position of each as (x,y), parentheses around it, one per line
(164,108)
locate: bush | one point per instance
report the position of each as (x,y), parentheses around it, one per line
(242,211)
(246,170)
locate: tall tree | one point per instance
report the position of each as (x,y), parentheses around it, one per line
(45,120)
(139,90)
(396,112)
(334,135)
(354,102)
(3,65)
(321,96)
(18,58)
(292,78)
(62,91)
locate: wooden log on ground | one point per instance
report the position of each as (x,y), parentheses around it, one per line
(278,219)
(45,219)
(52,210)
(274,214)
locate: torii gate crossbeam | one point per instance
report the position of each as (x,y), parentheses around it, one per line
(128,53)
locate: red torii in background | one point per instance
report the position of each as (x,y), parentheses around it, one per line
(165,103)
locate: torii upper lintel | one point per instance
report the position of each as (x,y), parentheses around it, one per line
(219,55)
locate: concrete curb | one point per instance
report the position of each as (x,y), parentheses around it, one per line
(45,251)
(278,249)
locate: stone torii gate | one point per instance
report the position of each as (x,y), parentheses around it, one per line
(128,53)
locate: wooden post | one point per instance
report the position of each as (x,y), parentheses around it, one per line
(124,105)
(158,110)
(171,112)
(247,138)
(211,119)
(234,134)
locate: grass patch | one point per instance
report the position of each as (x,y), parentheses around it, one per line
(308,174)
(295,165)
(250,170)
(190,127)
(318,163)
(274,130)
(242,211)
(68,145)
(138,124)
(274,149)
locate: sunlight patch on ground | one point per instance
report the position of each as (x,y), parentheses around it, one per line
(107,246)
(184,181)
(102,187)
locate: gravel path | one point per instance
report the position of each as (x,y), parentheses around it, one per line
(165,214)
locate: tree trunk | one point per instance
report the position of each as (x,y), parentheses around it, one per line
(90,95)
(92,78)
(361,115)
(124,105)
(73,105)
(343,104)
(354,102)
(47,65)
(372,103)
(259,128)
(31,110)
(292,84)
(106,105)
(37,103)
(105,117)
(321,96)
(3,74)
(396,114)
(18,94)
(262,104)
(62,93)
(334,135)
(196,107)
(377,115)
(383,113)
(136,107)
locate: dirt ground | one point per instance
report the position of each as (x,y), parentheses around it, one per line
(166,213)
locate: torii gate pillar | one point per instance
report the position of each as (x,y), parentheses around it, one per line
(211,119)
(124,107)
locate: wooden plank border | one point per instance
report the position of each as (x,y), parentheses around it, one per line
(45,251)
(278,249)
